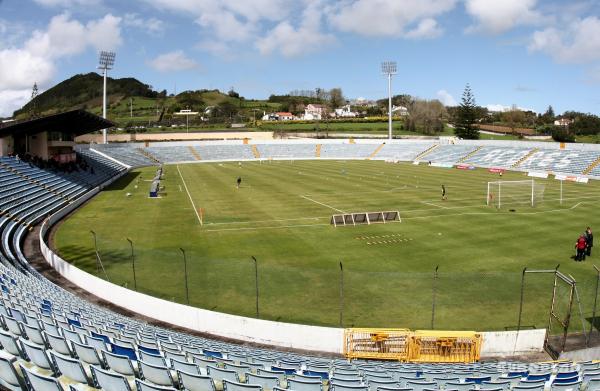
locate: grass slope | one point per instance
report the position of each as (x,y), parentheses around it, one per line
(281,215)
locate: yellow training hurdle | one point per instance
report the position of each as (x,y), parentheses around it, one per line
(412,346)
(381,344)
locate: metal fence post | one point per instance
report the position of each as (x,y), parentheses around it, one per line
(433,296)
(256,283)
(521,301)
(341,294)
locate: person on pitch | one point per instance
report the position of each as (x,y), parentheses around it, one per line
(239,182)
(589,241)
(444,193)
(580,245)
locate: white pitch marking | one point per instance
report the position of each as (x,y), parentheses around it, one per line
(320,203)
(189,195)
(491,214)
(270,221)
(429,203)
(180,189)
(272,227)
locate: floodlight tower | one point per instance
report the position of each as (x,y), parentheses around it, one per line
(106,62)
(389,68)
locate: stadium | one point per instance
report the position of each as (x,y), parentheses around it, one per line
(377,209)
(183,241)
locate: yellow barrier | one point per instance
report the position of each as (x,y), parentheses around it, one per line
(445,346)
(380,344)
(408,346)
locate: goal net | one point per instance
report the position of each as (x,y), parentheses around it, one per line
(514,193)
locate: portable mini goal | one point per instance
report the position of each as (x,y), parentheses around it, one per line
(365,218)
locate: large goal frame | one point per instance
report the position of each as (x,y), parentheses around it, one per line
(492,198)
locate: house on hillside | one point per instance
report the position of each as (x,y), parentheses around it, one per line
(284,116)
(400,111)
(313,112)
(563,122)
(279,116)
(344,112)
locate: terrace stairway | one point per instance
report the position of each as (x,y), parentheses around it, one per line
(255,152)
(195,153)
(593,165)
(426,152)
(148,155)
(318,151)
(470,154)
(376,151)
(521,160)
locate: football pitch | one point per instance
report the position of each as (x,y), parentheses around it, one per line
(281,216)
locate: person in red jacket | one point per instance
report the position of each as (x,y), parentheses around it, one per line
(580,245)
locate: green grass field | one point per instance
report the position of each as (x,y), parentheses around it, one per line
(281,216)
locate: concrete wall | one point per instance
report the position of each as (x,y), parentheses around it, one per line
(581,354)
(510,343)
(6,145)
(38,145)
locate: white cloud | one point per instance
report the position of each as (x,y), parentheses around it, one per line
(35,60)
(12,99)
(499,16)
(427,28)
(446,98)
(227,26)
(577,42)
(173,62)
(105,33)
(502,108)
(65,36)
(394,18)
(20,69)
(293,41)
(151,25)
(69,3)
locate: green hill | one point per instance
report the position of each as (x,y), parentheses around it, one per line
(133,103)
(84,92)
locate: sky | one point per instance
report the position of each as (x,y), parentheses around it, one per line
(527,53)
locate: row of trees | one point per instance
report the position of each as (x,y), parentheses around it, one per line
(467,117)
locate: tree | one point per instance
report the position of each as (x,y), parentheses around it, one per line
(426,116)
(466,116)
(336,98)
(33,109)
(549,116)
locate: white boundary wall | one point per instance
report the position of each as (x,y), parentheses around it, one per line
(278,334)
(507,343)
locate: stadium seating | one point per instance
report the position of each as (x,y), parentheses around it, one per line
(450,154)
(347,151)
(131,155)
(287,151)
(52,339)
(504,157)
(562,161)
(404,151)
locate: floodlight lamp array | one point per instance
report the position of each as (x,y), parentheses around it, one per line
(388,67)
(107,60)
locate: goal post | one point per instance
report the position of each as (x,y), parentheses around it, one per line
(524,192)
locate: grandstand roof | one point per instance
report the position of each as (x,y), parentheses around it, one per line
(76,122)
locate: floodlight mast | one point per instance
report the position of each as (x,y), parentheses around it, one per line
(389,68)
(106,62)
